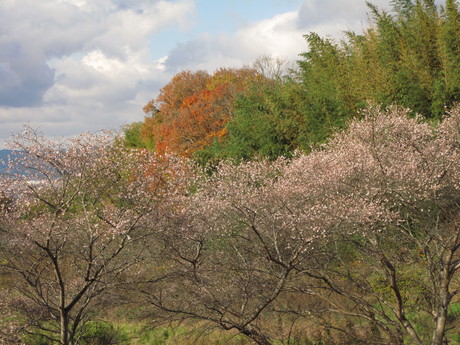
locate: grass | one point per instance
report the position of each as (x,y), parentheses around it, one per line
(184,334)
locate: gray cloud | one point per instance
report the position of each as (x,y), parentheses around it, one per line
(36,32)
(24,77)
(30,36)
(324,14)
(191,54)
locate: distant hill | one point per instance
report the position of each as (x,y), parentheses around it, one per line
(3,158)
(4,154)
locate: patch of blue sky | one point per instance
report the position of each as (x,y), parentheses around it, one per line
(214,17)
(164,41)
(227,16)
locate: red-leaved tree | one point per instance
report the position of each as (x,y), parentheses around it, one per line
(193,109)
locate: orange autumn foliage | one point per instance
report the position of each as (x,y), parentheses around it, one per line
(164,109)
(192,110)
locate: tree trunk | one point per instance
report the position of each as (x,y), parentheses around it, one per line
(64,324)
(438,334)
(441,317)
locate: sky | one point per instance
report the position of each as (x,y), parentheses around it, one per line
(72,66)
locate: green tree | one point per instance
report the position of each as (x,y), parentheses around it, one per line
(267,122)
(449,47)
(409,57)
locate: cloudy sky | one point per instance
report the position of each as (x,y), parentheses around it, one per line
(68,66)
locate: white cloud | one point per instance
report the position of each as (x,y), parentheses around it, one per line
(130,27)
(110,80)
(278,36)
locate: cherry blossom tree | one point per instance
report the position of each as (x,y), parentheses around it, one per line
(224,267)
(393,263)
(79,213)
(367,226)
(241,240)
